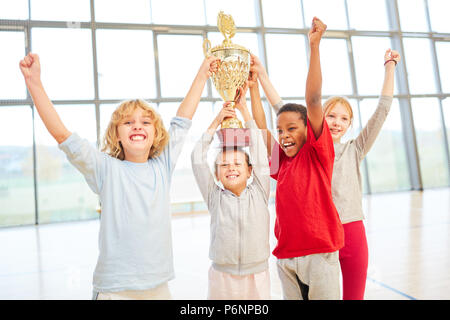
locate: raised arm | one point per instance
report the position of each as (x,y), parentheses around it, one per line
(313,93)
(258,111)
(369,133)
(31,70)
(391,58)
(269,90)
(257,147)
(189,104)
(202,172)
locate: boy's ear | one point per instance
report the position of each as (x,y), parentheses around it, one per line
(250,168)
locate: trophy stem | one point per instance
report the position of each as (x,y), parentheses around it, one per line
(231,122)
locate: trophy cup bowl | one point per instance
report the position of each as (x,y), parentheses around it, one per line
(232,73)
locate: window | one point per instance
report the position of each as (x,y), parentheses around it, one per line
(67,10)
(331,12)
(125,73)
(288,15)
(152,50)
(439,15)
(287,68)
(63,193)
(388,168)
(242,11)
(119,11)
(17,9)
(12,84)
(443,52)
(430,140)
(336,78)
(16,166)
(412,17)
(421,75)
(66,62)
(368,54)
(177,74)
(446,110)
(368,14)
(178,12)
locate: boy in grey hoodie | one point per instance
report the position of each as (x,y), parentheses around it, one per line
(239,234)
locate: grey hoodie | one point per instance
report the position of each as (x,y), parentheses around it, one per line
(239,233)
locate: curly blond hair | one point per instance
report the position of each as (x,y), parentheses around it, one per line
(111,144)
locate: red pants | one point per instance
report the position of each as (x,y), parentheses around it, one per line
(354,259)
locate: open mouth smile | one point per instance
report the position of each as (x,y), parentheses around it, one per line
(138,137)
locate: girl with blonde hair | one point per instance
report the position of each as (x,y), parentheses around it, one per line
(132,178)
(346,185)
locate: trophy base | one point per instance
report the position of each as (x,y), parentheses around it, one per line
(234,137)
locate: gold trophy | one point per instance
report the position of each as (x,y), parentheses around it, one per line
(233,70)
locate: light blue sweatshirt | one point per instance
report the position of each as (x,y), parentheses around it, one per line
(135,241)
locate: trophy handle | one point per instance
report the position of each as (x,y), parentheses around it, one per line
(206,47)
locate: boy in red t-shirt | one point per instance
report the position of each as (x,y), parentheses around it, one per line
(307,225)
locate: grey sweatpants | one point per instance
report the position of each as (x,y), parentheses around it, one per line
(312,277)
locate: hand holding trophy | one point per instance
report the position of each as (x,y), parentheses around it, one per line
(231,74)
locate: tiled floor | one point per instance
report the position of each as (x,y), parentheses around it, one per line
(408,235)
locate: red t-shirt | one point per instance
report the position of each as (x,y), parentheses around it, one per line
(307,221)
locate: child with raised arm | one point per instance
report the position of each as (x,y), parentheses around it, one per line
(239,234)
(347,185)
(132,178)
(307,226)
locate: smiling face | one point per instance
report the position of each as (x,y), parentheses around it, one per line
(291,132)
(136,133)
(339,119)
(232,170)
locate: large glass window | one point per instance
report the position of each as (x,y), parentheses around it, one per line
(177,74)
(242,11)
(368,54)
(66,62)
(63,193)
(412,17)
(289,15)
(16,166)
(152,49)
(67,10)
(388,168)
(331,12)
(368,14)
(12,85)
(443,54)
(335,67)
(446,110)
(421,74)
(17,9)
(430,140)
(287,68)
(134,11)
(439,10)
(126,68)
(178,12)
